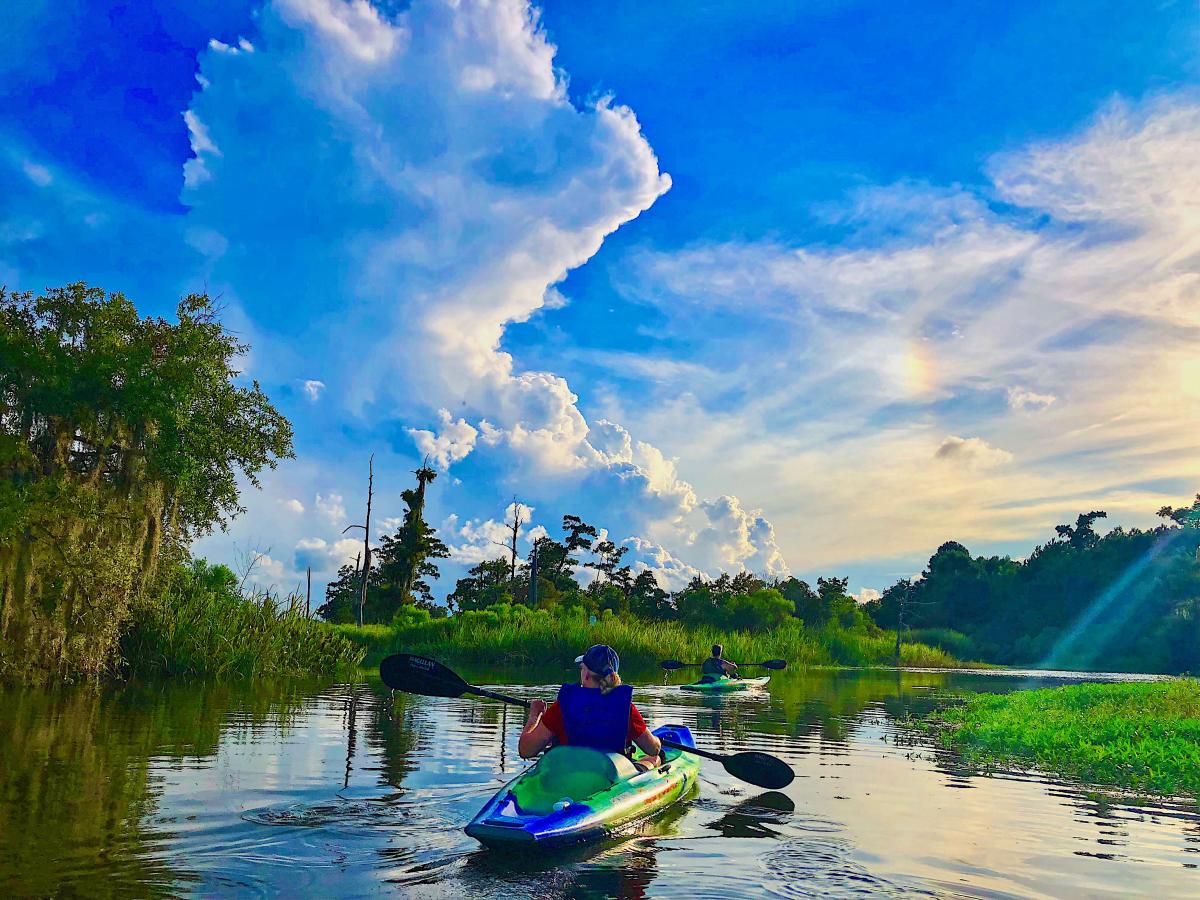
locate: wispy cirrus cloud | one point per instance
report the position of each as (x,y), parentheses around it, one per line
(1078,272)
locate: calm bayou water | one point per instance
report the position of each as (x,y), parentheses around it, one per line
(339,790)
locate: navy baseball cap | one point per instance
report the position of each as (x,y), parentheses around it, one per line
(600,659)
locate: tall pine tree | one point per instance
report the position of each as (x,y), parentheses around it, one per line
(406,558)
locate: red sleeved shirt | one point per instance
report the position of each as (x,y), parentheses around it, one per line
(553,719)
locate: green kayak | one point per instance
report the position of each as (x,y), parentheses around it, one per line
(723,683)
(573,795)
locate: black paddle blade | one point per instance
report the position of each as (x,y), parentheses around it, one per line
(421,675)
(774,664)
(762,769)
(672,664)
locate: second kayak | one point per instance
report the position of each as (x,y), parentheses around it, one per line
(574,794)
(723,683)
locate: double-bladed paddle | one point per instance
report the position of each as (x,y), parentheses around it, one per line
(672,664)
(421,675)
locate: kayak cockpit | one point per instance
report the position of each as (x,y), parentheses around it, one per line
(576,794)
(568,773)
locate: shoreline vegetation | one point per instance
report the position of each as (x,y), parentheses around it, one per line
(1143,737)
(122,440)
(517,635)
(204,625)
(1124,601)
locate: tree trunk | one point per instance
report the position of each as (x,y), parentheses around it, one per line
(533,577)
(362,602)
(357,567)
(511,546)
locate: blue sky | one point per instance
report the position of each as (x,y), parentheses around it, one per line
(795,288)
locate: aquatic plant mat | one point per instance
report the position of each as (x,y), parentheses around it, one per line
(1143,737)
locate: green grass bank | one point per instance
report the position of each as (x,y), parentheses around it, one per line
(518,635)
(1144,737)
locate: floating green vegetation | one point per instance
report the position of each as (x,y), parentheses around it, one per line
(505,634)
(1144,737)
(203,625)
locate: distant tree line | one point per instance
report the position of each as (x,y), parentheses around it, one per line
(740,602)
(1128,600)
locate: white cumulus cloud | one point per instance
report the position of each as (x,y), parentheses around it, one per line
(331,507)
(448,184)
(1020,398)
(453,442)
(324,557)
(671,573)
(867,595)
(475,540)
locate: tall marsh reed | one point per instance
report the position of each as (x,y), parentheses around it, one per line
(203,625)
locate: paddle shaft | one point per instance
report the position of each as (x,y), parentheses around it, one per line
(694,750)
(503,698)
(739,665)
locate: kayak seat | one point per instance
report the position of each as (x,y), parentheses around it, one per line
(569,773)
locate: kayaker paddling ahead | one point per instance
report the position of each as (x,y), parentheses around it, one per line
(716,665)
(597,713)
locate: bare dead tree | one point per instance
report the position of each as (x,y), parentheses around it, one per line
(511,544)
(247,562)
(905,605)
(366,527)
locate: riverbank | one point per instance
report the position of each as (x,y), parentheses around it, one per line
(198,621)
(531,637)
(1143,737)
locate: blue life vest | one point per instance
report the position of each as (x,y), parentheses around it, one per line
(592,719)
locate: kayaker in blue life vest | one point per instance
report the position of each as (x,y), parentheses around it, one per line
(598,713)
(716,665)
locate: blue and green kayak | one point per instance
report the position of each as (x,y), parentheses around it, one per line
(572,795)
(723,683)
